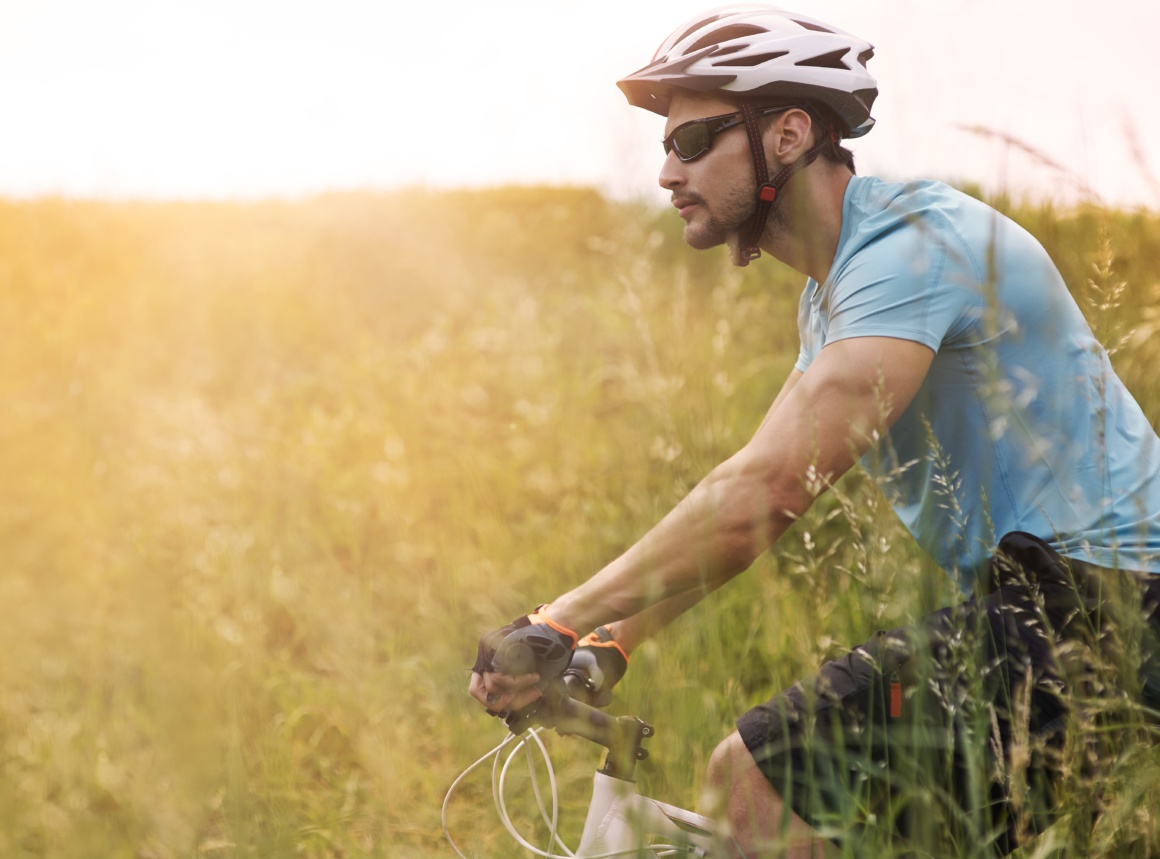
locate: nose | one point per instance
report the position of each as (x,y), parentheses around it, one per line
(672,173)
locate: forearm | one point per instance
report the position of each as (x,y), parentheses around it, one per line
(713,534)
(820,424)
(630,632)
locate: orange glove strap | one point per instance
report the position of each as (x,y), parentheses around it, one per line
(593,639)
(538,616)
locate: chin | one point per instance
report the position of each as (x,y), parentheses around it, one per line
(698,238)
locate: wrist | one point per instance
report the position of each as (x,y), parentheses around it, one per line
(563,613)
(619,635)
(544,615)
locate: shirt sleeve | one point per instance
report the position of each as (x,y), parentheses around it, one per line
(913,283)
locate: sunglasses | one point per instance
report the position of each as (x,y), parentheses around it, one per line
(694,138)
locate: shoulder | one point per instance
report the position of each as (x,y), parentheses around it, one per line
(927,235)
(920,197)
(932,218)
(924,216)
(907,265)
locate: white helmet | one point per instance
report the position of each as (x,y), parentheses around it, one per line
(761,52)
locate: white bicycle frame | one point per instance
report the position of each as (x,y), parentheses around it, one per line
(621,822)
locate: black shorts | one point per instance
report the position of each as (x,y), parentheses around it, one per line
(956,730)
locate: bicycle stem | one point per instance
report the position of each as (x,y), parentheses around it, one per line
(623,736)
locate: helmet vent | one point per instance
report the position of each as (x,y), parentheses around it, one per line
(865,56)
(810,25)
(695,27)
(755,60)
(725,34)
(832,60)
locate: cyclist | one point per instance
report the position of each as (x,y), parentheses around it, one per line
(942,350)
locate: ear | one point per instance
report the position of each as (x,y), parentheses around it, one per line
(789,137)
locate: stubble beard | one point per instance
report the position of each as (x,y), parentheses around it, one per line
(726,225)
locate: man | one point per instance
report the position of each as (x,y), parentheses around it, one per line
(940,347)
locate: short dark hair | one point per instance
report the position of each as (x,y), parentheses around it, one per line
(823,119)
(836,153)
(833,150)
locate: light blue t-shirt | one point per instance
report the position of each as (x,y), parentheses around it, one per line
(1021,423)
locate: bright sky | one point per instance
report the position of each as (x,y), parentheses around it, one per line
(247,98)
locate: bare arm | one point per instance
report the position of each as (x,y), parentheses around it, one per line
(821,422)
(631,631)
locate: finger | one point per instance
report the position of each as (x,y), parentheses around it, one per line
(507,684)
(477,689)
(502,692)
(494,700)
(505,702)
(507,705)
(524,698)
(514,697)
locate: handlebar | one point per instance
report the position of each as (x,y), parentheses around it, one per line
(623,736)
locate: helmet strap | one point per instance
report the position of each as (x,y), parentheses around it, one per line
(768,190)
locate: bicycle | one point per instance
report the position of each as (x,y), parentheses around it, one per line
(620,821)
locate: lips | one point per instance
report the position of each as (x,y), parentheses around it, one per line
(684,205)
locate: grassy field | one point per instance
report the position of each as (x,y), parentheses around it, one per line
(269,471)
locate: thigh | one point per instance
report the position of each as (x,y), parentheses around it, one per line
(824,744)
(910,734)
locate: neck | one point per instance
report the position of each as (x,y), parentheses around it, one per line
(804,233)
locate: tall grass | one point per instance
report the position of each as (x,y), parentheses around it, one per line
(269,470)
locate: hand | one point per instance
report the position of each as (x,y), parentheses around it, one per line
(598,663)
(515,659)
